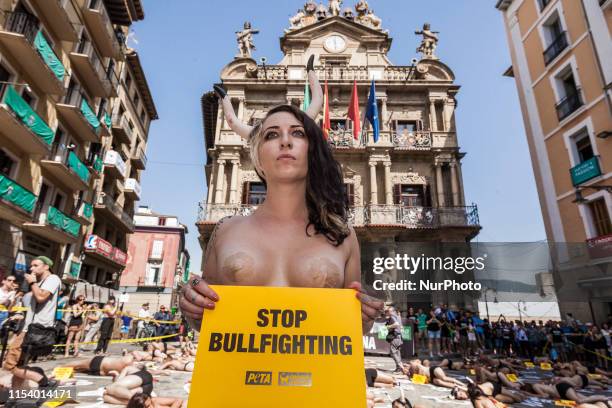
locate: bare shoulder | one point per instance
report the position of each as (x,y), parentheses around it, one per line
(230,225)
(351,241)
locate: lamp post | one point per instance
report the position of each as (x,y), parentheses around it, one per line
(487,301)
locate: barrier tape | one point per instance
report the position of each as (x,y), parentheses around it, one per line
(144,319)
(126,340)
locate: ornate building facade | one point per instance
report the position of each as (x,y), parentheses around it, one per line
(406,187)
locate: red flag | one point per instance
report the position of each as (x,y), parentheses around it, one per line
(353,111)
(326,122)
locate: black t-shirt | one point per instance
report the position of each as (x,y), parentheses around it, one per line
(463,328)
(433,326)
(557,336)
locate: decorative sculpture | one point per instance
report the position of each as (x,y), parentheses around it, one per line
(245,40)
(334,7)
(428,43)
(321,12)
(348,14)
(297,20)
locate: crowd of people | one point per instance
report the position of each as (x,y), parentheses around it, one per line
(40,321)
(492,356)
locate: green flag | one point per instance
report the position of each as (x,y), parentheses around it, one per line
(306,103)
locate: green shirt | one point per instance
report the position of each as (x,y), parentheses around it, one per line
(422,319)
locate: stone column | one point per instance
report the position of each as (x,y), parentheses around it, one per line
(454,183)
(432,115)
(219,196)
(439,184)
(388,185)
(445,116)
(234,182)
(373,187)
(460,182)
(211,187)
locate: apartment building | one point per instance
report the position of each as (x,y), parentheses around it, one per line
(561,54)
(64,69)
(158,262)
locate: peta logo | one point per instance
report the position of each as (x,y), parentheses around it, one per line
(287,379)
(258,378)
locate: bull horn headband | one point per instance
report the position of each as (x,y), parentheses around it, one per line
(244,130)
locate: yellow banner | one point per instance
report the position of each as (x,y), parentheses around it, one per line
(277,347)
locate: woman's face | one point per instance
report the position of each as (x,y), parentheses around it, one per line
(461,395)
(283,153)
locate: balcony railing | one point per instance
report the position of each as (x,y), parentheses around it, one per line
(140,155)
(113,158)
(343,139)
(28,117)
(78,167)
(87,48)
(22,23)
(555,48)
(75,97)
(112,206)
(569,104)
(14,193)
(358,73)
(399,215)
(133,185)
(53,217)
(415,140)
(98,5)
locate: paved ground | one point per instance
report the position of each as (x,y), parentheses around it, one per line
(89,388)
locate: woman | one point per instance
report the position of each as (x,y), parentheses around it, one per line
(100,365)
(445,336)
(433,334)
(179,365)
(131,380)
(377,379)
(492,389)
(299,237)
(106,328)
(142,400)
(565,391)
(75,326)
(435,375)
(478,396)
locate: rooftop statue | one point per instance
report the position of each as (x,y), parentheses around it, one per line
(428,43)
(296,21)
(334,7)
(245,40)
(348,14)
(321,12)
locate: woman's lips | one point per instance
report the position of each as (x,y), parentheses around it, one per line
(285,156)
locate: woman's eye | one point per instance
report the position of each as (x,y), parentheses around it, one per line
(270,135)
(298,133)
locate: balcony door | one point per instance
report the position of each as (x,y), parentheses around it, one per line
(253,193)
(600,217)
(409,195)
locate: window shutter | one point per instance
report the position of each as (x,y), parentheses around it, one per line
(349,188)
(157,249)
(396,193)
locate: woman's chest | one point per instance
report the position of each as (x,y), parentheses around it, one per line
(281,261)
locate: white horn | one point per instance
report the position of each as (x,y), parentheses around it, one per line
(315,87)
(234,123)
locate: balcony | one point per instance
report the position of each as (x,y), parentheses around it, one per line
(555,48)
(132,189)
(68,170)
(23,39)
(95,166)
(84,213)
(357,73)
(109,208)
(114,164)
(79,116)
(101,29)
(100,81)
(371,215)
(20,124)
(343,139)
(140,159)
(569,104)
(104,251)
(54,225)
(414,140)
(16,202)
(57,15)
(122,131)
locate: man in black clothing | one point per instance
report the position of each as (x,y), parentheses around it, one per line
(394,337)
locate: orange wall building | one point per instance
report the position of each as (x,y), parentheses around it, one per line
(562,62)
(157,262)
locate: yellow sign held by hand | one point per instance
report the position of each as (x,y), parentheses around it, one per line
(267,347)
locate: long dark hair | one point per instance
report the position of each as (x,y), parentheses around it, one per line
(138,400)
(325,195)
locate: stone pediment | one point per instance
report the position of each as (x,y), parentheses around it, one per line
(434,70)
(239,68)
(335,24)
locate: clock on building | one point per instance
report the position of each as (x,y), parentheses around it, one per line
(335,43)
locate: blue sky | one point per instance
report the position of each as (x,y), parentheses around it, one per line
(183,49)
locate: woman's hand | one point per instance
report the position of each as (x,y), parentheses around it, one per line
(371,308)
(195,297)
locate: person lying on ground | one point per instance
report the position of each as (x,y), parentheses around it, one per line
(492,389)
(435,375)
(178,365)
(565,391)
(448,364)
(101,365)
(479,399)
(378,379)
(142,400)
(130,381)
(580,381)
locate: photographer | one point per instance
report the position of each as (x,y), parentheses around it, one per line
(394,337)
(40,319)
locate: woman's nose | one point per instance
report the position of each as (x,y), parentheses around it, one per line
(286,140)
